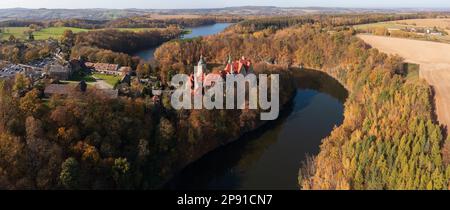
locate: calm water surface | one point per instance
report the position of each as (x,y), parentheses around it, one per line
(148,54)
(270,158)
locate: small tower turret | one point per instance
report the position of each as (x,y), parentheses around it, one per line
(201,61)
(229,66)
(230,60)
(200,69)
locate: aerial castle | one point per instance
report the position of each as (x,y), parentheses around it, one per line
(203,76)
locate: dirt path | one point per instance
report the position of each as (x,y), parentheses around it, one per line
(434,60)
(101,84)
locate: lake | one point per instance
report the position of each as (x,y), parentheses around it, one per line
(148,54)
(270,158)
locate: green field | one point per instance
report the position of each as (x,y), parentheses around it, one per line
(17,32)
(52,32)
(92,78)
(391,25)
(110,79)
(46,33)
(77,77)
(136,29)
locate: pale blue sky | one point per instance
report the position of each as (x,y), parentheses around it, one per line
(169,4)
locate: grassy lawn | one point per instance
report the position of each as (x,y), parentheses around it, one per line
(92,78)
(137,29)
(110,79)
(79,76)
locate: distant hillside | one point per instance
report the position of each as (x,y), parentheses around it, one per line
(110,14)
(51,14)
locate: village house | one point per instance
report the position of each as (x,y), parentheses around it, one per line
(104,68)
(107,68)
(124,70)
(60,72)
(76,65)
(425,31)
(436,33)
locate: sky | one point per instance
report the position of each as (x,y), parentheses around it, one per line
(189,4)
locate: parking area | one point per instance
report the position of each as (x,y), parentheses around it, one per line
(35,68)
(10,70)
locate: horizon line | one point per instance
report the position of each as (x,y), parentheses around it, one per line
(204,8)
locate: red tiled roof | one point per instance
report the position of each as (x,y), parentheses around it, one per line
(125,69)
(228,67)
(238,65)
(102,66)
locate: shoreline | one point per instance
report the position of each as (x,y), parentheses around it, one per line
(260,127)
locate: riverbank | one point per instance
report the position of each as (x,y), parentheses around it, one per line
(196,152)
(269,156)
(385,108)
(188,33)
(373,110)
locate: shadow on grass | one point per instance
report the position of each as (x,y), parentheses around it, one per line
(82,76)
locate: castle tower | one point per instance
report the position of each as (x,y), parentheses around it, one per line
(200,72)
(200,69)
(229,69)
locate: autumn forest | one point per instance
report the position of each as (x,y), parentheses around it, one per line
(389,138)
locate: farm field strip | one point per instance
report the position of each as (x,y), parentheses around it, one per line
(442,24)
(434,62)
(53,32)
(393,25)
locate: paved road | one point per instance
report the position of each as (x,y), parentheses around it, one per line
(434,61)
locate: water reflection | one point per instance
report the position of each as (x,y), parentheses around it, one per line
(270,157)
(149,54)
